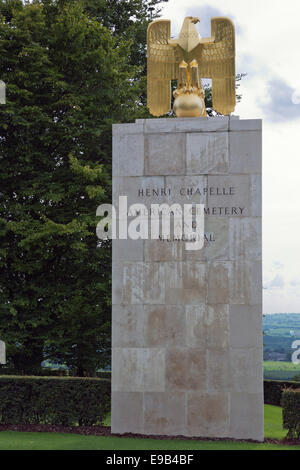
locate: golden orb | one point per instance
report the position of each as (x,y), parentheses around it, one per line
(189,105)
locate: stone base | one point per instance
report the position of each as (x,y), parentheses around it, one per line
(187,325)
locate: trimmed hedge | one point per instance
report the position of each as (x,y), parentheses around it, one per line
(46,372)
(104,374)
(273,390)
(291,412)
(66,401)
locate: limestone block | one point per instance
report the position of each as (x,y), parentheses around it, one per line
(245,124)
(127,412)
(218,229)
(246,370)
(127,129)
(218,282)
(245,152)
(246,416)
(154,370)
(197,255)
(138,369)
(126,186)
(159,250)
(144,283)
(164,326)
(245,238)
(200,255)
(164,413)
(195,326)
(256,195)
(238,186)
(194,277)
(128,151)
(127,250)
(164,154)
(185,283)
(128,369)
(151,190)
(217,327)
(207,326)
(187,189)
(217,124)
(245,326)
(208,414)
(245,283)
(117,285)
(185,369)
(207,153)
(216,242)
(218,370)
(138,191)
(128,326)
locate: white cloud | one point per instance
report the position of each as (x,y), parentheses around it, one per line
(267,39)
(268,50)
(276,283)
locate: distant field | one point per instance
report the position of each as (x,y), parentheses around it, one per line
(270,365)
(280,332)
(281,370)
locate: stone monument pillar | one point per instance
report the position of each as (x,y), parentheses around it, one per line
(187,325)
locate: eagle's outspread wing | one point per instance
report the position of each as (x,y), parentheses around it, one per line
(216,59)
(162,66)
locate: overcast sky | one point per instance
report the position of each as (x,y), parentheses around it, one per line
(268,50)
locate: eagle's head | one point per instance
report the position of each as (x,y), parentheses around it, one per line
(189,36)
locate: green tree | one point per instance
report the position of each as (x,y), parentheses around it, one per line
(69,76)
(129,20)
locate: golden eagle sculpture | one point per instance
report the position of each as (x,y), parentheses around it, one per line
(188,59)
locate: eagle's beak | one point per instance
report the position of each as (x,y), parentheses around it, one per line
(196,20)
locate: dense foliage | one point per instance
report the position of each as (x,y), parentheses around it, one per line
(72,68)
(291,412)
(273,390)
(57,401)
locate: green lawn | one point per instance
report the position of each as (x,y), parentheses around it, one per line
(273,423)
(278,365)
(47,441)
